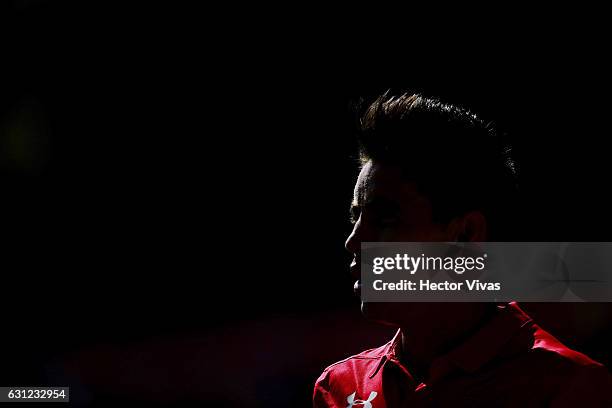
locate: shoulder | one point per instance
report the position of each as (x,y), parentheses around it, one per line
(357,363)
(546,351)
(575,376)
(353,370)
(343,378)
(548,347)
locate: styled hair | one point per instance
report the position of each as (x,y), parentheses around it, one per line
(456,159)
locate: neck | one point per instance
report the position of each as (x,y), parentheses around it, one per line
(425,341)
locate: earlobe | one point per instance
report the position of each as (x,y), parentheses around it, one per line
(471,227)
(475,227)
(456,230)
(463,237)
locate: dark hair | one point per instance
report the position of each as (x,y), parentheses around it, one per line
(456,159)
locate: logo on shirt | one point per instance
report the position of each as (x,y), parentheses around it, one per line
(365,404)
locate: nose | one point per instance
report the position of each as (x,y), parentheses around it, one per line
(353,242)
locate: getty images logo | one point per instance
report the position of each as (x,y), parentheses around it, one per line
(365,404)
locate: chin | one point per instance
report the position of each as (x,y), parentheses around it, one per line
(403,314)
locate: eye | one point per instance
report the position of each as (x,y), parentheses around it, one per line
(355,212)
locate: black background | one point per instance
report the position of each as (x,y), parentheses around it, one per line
(175,186)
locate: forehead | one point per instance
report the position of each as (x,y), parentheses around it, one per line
(379,180)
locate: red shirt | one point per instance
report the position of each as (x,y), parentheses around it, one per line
(510,362)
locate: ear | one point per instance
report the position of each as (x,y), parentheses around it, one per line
(470,227)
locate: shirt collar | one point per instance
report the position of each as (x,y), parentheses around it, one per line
(390,352)
(498,337)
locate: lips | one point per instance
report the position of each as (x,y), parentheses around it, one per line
(357,287)
(355,269)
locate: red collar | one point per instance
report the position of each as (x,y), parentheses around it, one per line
(505,334)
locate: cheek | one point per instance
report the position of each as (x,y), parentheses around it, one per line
(425,233)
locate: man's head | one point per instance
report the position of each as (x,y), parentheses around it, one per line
(430,172)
